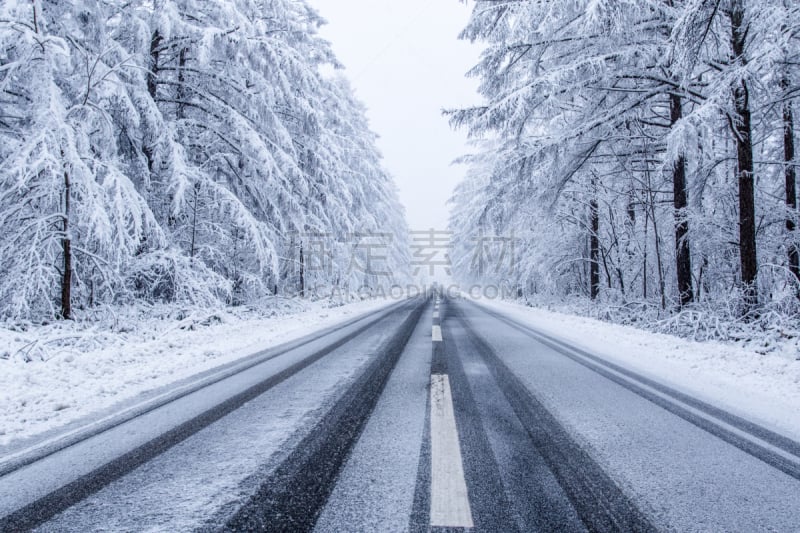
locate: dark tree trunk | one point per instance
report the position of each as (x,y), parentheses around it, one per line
(181,83)
(594,249)
(662,289)
(152,85)
(683,256)
(791,183)
(742,131)
(194,220)
(35,19)
(644,254)
(66,245)
(152,74)
(302,273)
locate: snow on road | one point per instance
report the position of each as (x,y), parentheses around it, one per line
(762,387)
(58,375)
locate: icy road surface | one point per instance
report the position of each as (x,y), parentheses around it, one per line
(430,415)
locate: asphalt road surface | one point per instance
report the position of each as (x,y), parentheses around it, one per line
(431,415)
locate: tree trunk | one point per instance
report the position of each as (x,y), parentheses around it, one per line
(683,258)
(791,184)
(152,85)
(594,249)
(66,245)
(662,286)
(644,253)
(152,73)
(194,220)
(36,9)
(742,131)
(302,273)
(180,111)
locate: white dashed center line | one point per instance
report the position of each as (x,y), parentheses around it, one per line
(436,314)
(437,334)
(449,500)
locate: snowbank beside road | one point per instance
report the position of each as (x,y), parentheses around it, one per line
(54,375)
(764,388)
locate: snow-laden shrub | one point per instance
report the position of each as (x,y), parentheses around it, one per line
(170,277)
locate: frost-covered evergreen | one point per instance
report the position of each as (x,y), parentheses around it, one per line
(639,151)
(180,151)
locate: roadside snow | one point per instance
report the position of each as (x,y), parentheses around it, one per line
(53,375)
(764,388)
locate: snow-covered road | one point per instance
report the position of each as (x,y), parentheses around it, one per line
(66,374)
(426,415)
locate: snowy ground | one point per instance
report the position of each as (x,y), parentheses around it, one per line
(53,375)
(764,387)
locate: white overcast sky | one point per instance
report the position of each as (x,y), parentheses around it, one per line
(406,64)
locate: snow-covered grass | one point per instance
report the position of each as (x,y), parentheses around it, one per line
(52,375)
(762,385)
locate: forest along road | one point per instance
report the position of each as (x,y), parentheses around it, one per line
(431,415)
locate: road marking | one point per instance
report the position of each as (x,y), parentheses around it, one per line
(449,499)
(437,334)
(436,314)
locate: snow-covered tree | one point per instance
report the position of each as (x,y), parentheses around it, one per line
(606,124)
(174,150)
(72,216)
